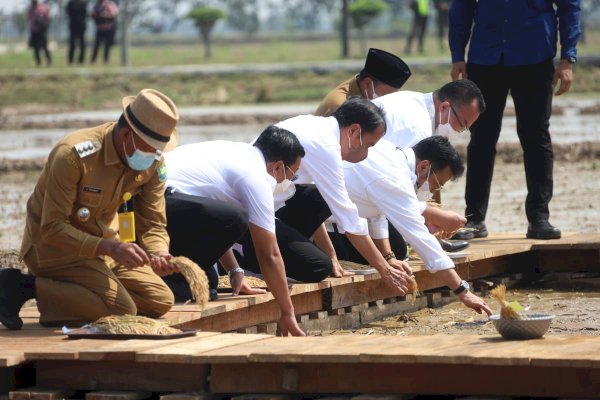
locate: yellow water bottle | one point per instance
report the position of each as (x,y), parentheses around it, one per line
(126,222)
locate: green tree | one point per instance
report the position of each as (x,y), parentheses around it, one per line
(206,18)
(242,15)
(364,11)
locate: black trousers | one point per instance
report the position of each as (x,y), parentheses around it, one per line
(531,90)
(105,38)
(346,251)
(201,229)
(39,42)
(296,222)
(77,39)
(419,27)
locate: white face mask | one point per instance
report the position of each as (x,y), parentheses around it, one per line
(283,186)
(423,192)
(446,130)
(286,186)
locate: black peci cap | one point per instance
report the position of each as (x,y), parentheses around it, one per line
(387,68)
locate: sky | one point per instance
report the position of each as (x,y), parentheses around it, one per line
(8,6)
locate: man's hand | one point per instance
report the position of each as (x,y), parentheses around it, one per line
(288,325)
(338,271)
(397,279)
(401,265)
(239,285)
(162,265)
(128,254)
(459,71)
(475,302)
(564,73)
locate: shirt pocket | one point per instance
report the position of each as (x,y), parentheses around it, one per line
(90,199)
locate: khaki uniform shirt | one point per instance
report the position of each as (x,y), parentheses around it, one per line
(84,171)
(337,96)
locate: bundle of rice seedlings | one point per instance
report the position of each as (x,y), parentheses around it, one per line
(195,277)
(506,311)
(132,324)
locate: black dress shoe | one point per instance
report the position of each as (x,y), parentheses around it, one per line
(542,230)
(454,245)
(213,295)
(11,298)
(480,231)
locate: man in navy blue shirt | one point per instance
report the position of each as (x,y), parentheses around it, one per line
(512,48)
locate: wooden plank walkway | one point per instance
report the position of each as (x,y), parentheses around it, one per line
(251,363)
(238,363)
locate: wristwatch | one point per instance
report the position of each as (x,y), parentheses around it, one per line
(236,270)
(464,285)
(571,59)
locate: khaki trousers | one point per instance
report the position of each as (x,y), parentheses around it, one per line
(88,289)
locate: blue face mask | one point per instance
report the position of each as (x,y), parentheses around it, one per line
(139,160)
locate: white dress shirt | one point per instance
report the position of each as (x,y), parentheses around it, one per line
(409,117)
(383,188)
(227,171)
(322,165)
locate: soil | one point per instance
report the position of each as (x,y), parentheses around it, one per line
(577,313)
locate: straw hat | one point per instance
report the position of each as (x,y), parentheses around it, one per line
(153,117)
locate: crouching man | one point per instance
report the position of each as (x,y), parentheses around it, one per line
(81,271)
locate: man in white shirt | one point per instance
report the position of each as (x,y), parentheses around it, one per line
(347,135)
(216,191)
(383,188)
(448,111)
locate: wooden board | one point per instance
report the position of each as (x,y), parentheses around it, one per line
(187,351)
(405,378)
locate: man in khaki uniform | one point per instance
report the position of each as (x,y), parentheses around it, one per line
(81,271)
(382,74)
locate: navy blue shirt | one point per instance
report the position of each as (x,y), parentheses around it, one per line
(523,31)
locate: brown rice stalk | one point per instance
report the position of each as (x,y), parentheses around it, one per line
(195,277)
(252,281)
(506,311)
(132,324)
(414,289)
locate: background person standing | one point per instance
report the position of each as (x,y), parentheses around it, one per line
(420,10)
(105,16)
(512,48)
(77,13)
(38,17)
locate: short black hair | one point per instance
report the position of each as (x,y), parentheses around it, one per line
(440,154)
(461,93)
(279,144)
(357,110)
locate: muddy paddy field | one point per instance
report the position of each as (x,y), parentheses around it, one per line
(574,208)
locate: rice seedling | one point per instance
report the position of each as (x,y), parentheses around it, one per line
(506,311)
(195,277)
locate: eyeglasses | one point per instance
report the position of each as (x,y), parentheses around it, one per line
(294,175)
(463,126)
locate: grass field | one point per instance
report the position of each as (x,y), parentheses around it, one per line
(66,89)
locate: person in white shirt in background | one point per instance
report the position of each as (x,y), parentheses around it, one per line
(385,187)
(216,192)
(449,111)
(354,127)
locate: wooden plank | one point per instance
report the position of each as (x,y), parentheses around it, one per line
(66,349)
(127,349)
(120,375)
(39,394)
(116,395)
(187,352)
(190,396)
(256,314)
(406,378)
